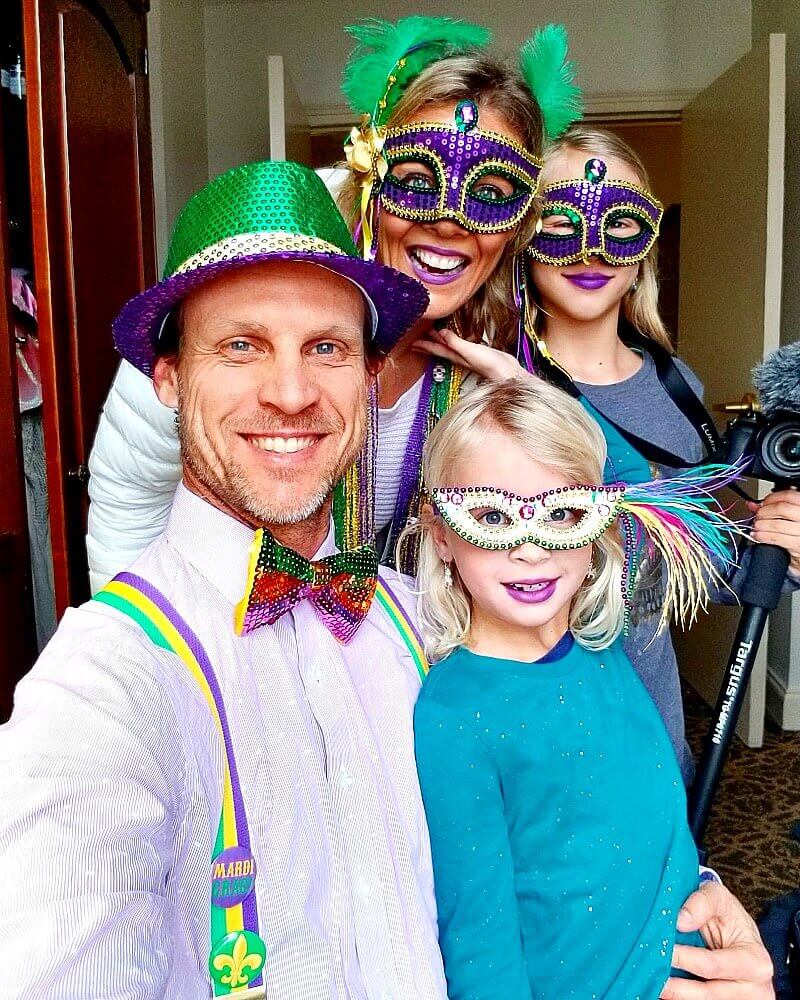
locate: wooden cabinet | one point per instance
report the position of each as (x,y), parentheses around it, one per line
(17,634)
(93,247)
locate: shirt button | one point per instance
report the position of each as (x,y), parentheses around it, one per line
(346,779)
(363,888)
(316,674)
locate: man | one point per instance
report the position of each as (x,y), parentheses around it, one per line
(122,753)
(208,780)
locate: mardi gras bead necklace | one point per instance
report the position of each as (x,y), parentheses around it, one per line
(354,496)
(441,385)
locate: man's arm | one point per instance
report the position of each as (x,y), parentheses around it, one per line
(89,774)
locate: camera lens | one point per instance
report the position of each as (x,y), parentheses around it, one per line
(780,450)
(789,449)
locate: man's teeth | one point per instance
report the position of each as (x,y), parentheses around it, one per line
(437,260)
(530,587)
(282,445)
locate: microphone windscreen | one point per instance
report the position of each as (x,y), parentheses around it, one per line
(777,380)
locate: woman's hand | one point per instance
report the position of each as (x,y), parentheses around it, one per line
(777,522)
(735,965)
(491,364)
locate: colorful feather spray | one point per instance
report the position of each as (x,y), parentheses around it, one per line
(389,55)
(551,78)
(685,522)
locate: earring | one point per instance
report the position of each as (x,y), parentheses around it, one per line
(539,226)
(591,572)
(635,284)
(448,576)
(177,419)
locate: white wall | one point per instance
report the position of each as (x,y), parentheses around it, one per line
(176,42)
(784,16)
(783,691)
(237,45)
(639,49)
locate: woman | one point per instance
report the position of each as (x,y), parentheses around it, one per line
(593,316)
(452,214)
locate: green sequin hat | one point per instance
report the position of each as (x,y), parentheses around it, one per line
(274,210)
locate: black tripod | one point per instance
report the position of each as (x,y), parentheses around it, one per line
(760,595)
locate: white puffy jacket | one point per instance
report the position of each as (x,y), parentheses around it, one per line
(135,466)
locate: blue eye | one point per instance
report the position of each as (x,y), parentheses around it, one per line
(325,349)
(419,182)
(494,188)
(626,227)
(414,176)
(240,346)
(493,518)
(563,516)
(488,192)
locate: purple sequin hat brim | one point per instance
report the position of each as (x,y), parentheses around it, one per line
(399,300)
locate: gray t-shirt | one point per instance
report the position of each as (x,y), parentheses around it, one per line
(642,406)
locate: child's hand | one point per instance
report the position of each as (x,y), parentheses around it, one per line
(777,521)
(497,366)
(735,966)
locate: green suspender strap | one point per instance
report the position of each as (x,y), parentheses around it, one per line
(387,599)
(238,953)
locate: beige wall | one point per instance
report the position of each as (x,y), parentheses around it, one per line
(176,41)
(783,16)
(208,65)
(633,48)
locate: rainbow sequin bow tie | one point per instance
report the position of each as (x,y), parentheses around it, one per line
(340,587)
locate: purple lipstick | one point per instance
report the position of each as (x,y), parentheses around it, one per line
(437,265)
(588,280)
(531,591)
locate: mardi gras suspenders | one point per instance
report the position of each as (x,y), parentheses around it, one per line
(238,952)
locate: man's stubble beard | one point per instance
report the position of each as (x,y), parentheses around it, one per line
(232,485)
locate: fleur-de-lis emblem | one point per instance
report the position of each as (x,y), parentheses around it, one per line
(364,151)
(237,966)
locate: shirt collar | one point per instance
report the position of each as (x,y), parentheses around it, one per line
(216,544)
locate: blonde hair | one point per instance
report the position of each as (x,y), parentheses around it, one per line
(640,306)
(554,430)
(483,78)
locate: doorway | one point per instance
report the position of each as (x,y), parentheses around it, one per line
(78,194)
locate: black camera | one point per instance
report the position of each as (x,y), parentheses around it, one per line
(770,443)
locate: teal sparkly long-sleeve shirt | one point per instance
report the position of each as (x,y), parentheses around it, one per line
(557,817)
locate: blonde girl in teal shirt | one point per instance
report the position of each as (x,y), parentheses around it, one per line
(556,809)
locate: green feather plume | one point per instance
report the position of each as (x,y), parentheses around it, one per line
(550,76)
(381,45)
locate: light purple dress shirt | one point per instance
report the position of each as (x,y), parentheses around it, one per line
(110,793)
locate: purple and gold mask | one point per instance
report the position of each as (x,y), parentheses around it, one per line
(592,217)
(567,518)
(484,181)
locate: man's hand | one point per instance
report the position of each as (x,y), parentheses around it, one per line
(777,522)
(736,965)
